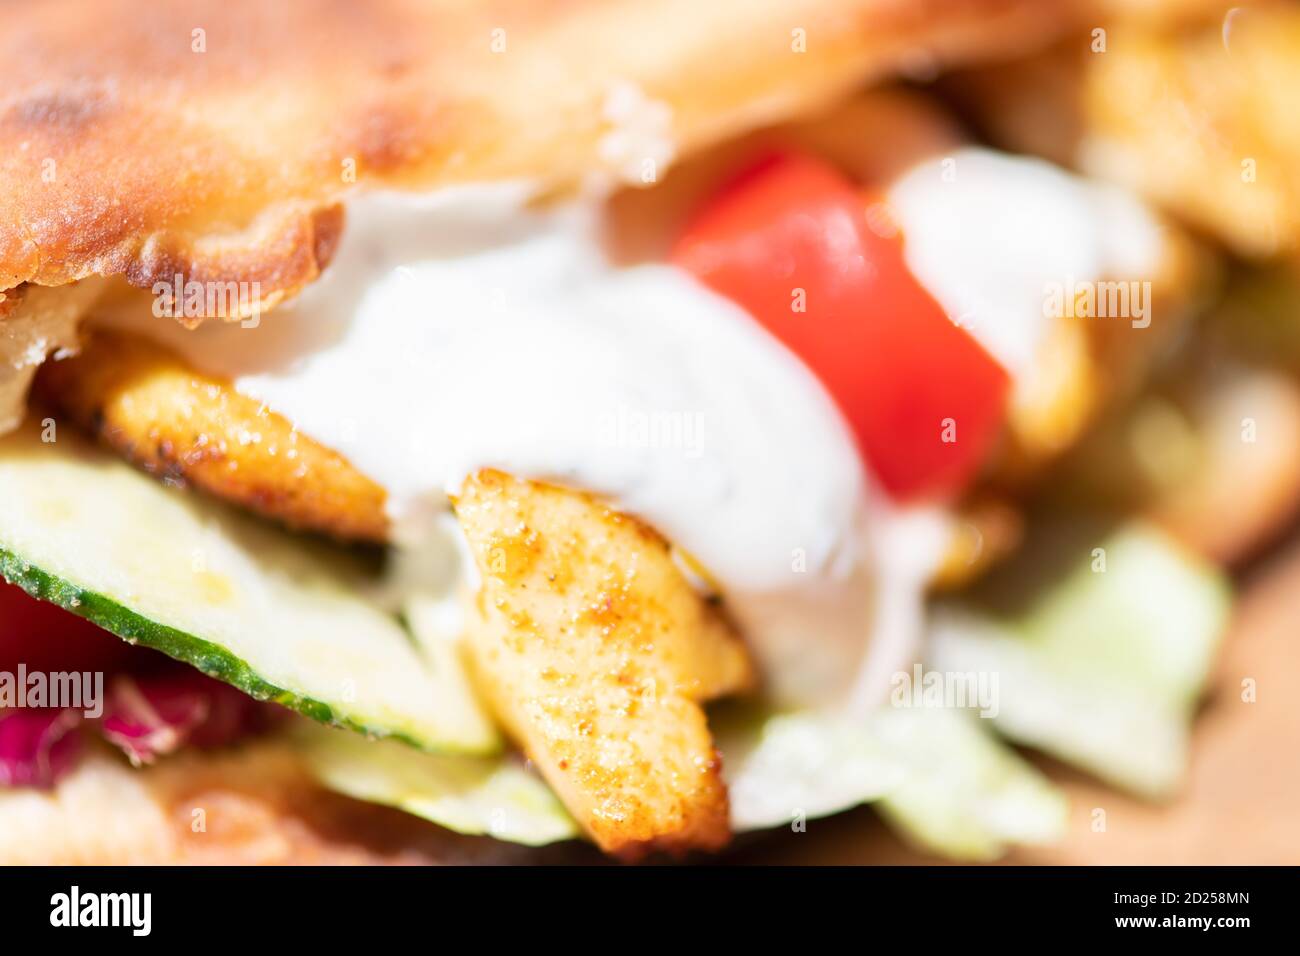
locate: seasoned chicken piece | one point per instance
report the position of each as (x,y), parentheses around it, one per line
(596,654)
(1204,122)
(186,426)
(1198,118)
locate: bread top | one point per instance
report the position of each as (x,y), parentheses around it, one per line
(215,139)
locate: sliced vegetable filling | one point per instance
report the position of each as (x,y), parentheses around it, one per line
(280,617)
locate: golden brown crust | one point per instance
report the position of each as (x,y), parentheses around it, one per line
(213,138)
(185,426)
(595,652)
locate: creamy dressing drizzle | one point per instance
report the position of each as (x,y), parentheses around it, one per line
(986,233)
(462,330)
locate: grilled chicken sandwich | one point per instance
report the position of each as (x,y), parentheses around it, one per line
(580,415)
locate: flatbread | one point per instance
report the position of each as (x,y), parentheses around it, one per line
(214,138)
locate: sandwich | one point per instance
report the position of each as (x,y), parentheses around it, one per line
(499,428)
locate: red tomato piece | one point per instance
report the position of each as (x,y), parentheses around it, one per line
(789,241)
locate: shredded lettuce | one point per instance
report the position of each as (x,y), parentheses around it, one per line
(964,794)
(783,767)
(1103,669)
(1100,667)
(945,783)
(492,796)
(948,785)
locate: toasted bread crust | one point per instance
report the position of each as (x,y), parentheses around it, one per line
(214,138)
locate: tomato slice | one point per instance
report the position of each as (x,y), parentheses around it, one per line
(45,637)
(789,241)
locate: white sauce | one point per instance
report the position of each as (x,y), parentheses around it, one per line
(986,233)
(459,331)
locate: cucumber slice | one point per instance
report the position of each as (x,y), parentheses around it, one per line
(279,616)
(492,796)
